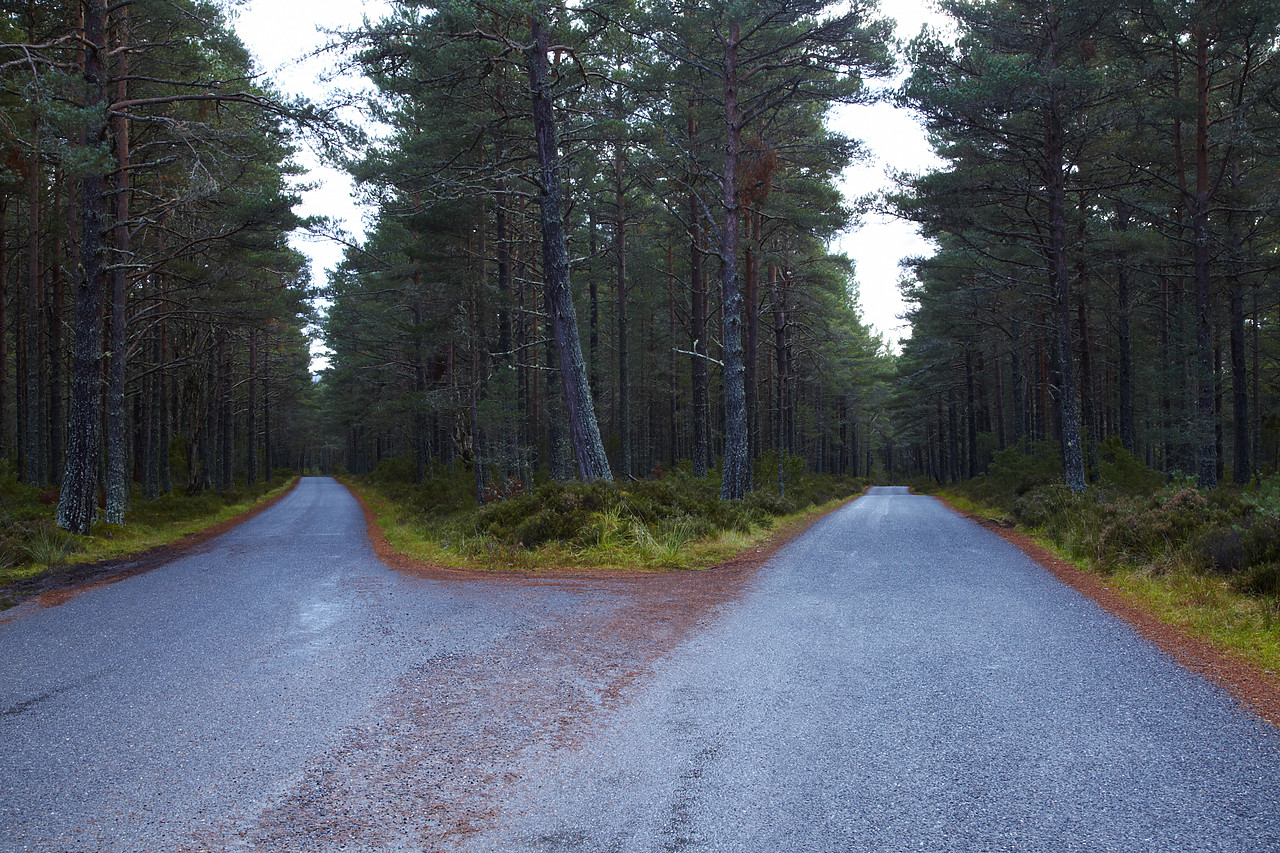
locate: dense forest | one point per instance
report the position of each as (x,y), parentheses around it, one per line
(1106,224)
(600,247)
(153,314)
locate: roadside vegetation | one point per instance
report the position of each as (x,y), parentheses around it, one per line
(668,522)
(1207,561)
(31,544)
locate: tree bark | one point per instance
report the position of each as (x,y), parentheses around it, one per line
(699,375)
(251,413)
(4,328)
(57,305)
(35,475)
(620,257)
(1242,466)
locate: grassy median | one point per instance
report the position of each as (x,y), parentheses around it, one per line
(665,523)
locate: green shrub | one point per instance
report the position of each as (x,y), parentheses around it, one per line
(1123,472)
(1020,469)
(1181,525)
(399,469)
(1259,580)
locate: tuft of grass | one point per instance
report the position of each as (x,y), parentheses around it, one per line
(49,546)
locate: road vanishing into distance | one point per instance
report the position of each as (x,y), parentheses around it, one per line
(895,679)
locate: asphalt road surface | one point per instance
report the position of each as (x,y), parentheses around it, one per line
(896,679)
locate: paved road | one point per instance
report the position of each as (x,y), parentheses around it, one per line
(897,679)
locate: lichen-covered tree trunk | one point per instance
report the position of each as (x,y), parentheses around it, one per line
(584,430)
(77,504)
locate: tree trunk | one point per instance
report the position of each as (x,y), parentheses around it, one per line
(4,328)
(251,413)
(584,430)
(753,333)
(1124,358)
(117,472)
(971,419)
(268,458)
(1055,181)
(735,480)
(699,375)
(1242,467)
(1203,429)
(620,259)
(35,475)
(57,305)
(77,504)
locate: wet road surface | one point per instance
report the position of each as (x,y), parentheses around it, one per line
(896,679)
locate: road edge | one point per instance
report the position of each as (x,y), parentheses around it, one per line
(57,587)
(1256,690)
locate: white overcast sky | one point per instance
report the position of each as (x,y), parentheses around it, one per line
(281,32)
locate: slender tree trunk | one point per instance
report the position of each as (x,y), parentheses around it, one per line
(620,258)
(699,375)
(4,327)
(35,475)
(117,474)
(672,397)
(593,295)
(1124,358)
(584,430)
(57,306)
(268,457)
(1242,467)
(251,413)
(735,480)
(77,504)
(1203,430)
(164,408)
(971,420)
(753,333)
(1055,181)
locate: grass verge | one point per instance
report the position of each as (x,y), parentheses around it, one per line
(32,547)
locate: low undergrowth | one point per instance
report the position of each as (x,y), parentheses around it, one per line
(1206,561)
(673,522)
(31,544)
